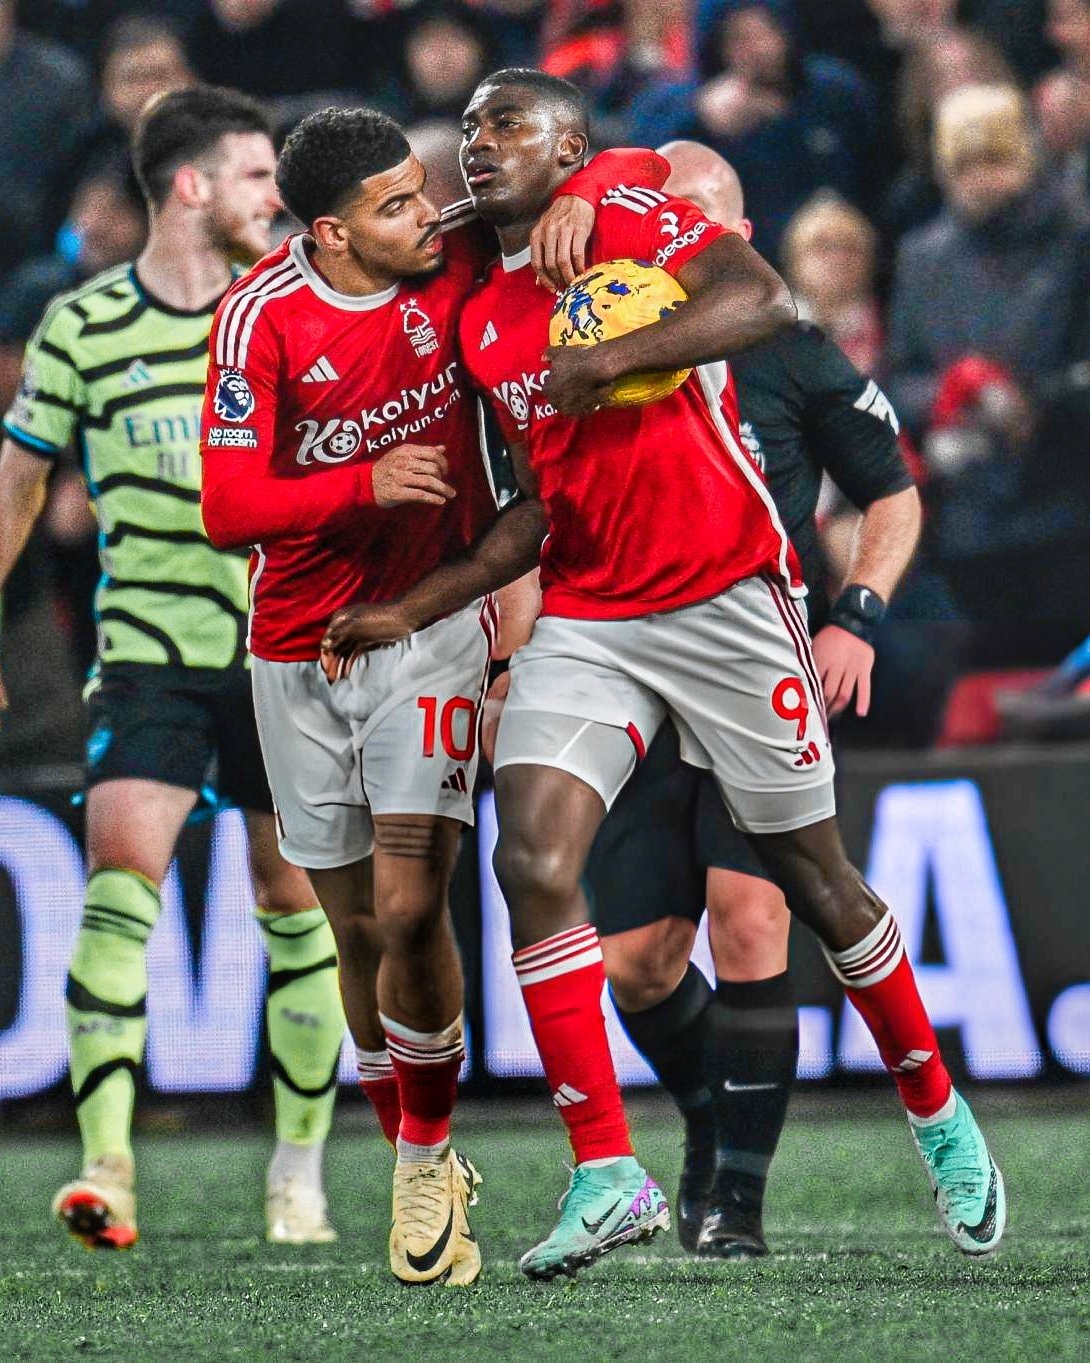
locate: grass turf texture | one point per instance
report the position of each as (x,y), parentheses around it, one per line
(860,1268)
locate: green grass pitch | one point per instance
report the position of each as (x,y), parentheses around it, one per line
(860,1269)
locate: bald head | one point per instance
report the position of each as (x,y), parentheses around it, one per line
(703,176)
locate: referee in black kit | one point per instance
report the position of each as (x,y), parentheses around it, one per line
(668,846)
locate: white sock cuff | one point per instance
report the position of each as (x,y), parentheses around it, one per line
(560,954)
(423,1048)
(872,959)
(943,1115)
(374,1065)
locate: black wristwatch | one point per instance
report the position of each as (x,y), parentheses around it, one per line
(859,610)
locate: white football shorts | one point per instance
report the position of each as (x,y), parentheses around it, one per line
(735,673)
(397,736)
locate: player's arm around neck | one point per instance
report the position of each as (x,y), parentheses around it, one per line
(735,300)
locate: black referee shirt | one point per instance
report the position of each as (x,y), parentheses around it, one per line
(806,410)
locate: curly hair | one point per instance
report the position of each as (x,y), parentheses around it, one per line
(330,152)
(185,125)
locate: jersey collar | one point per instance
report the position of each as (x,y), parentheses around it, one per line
(517,261)
(350,302)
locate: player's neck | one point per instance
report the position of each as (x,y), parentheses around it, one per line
(344,273)
(515,237)
(184,270)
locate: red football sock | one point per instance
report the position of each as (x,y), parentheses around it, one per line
(562,980)
(379,1082)
(879,980)
(427,1065)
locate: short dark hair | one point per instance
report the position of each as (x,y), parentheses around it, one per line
(330,152)
(560,95)
(183,125)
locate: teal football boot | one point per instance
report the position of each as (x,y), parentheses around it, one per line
(606,1206)
(965,1180)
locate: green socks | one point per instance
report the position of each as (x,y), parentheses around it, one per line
(305,1020)
(107,1005)
(107,1002)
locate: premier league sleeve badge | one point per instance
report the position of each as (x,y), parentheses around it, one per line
(234,400)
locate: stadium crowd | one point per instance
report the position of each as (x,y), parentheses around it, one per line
(918,169)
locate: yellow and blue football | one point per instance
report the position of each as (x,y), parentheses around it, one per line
(610,300)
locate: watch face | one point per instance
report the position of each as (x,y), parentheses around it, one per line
(867,603)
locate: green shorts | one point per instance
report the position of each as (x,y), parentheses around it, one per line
(185,726)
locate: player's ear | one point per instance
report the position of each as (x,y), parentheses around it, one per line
(191,186)
(573,148)
(745,227)
(330,233)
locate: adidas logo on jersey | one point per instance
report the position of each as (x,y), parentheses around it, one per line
(455,781)
(488,335)
(636,200)
(321,371)
(567,1096)
(138,374)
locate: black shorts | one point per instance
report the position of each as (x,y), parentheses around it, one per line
(186,726)
(666,828)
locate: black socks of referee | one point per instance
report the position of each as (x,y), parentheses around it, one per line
(728,1059)
(670,1037)
(751,1038)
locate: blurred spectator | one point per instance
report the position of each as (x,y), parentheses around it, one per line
(790,124)
(448,48)
(990,333)
(436,143)
(1062,98)
(829,258)
(936,68)
(44,107)
(80,24)
(271,48)
(105,225)
(140,56)
(1004,272)
(875,37)
(615,50)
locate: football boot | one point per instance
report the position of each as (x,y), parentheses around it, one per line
(431,1240)
(606,1206)
(965,1180)
(99,1207)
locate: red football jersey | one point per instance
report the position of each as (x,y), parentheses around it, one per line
(307,387)
(649,508)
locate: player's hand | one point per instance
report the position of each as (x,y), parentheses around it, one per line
(490,714)
(357,629)
(412,473)
(558,243)
(575,383)
(844,664)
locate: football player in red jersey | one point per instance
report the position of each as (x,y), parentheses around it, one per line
(669,588)
(334,396)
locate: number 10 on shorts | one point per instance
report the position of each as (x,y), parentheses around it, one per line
(457,725)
